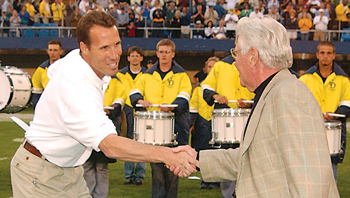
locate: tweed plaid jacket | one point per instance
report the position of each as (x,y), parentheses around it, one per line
(284,152)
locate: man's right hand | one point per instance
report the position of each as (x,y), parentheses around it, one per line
(220,99)
(326,116)
(189,155)
(144,103)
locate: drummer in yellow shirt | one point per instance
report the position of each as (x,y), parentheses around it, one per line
(165,82)
(331,87)
(39,78)
(201,120)
(223,85)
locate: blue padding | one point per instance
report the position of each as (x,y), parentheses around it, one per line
(29,33)
(203,45)
(43,33)
(53,32)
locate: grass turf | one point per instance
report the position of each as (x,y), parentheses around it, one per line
(187,188)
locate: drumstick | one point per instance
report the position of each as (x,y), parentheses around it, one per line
(20,123)
(159,105)
(236,101)
(336,115)
(109,108)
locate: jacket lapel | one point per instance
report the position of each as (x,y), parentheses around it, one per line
(256,116)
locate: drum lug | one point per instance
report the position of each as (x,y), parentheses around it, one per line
(174,139)
(136,136)
(214,137)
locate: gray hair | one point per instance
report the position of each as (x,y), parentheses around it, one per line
(269,38)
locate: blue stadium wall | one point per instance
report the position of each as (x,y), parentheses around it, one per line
(150,44)
(190,53)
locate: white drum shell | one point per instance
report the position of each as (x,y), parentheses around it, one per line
(333,131)
(228,125)
(16,89)
(154,127)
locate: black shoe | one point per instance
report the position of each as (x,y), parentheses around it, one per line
(129,181)
(204,186)
(213,186)
(138,182)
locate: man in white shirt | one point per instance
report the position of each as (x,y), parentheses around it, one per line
(82,6)
(103,3)
(256,13)
(231,20)
(69,120)
(5,5)
(320,23)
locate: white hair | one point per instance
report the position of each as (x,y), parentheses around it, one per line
(269,38)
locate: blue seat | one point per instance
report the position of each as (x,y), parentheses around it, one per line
(43,32)
(346,35)
(38,24)
(29,33)
(50,25)
(53,32)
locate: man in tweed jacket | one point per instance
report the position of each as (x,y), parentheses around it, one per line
(284,152)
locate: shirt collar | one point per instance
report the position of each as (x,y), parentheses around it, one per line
(258,91)
(91,75)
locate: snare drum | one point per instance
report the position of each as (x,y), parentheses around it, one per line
(228,125)
(16,89)
(333,131)
(154,127)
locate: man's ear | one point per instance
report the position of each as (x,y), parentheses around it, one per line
(83,47)
(253,57)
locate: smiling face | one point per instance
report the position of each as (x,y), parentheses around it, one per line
(104,52)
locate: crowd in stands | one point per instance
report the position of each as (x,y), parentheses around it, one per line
(207,19)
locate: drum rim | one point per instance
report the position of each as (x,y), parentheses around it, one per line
(332,124)
(7,74)
(10,84)
(154,114)
(232,111)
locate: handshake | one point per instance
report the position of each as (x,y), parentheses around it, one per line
(182,161)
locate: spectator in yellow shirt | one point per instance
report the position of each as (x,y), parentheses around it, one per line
(45,11)
(57,10)
(341,12)
(305,24)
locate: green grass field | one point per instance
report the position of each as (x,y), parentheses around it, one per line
(187,188)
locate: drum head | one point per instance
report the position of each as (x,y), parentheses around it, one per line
(153,114)
(231,112)
(5,90)
(332,124)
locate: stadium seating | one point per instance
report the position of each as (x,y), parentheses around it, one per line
(29,33)
(346,35)
(43,32)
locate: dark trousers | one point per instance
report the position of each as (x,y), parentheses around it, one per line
(129,114)
(164,182)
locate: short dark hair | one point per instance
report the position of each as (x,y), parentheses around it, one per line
(90,19)
(135,49)
(54,42)
(326,43)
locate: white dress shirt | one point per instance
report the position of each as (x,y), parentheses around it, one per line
(69,120)
(320,23)
(231,21)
